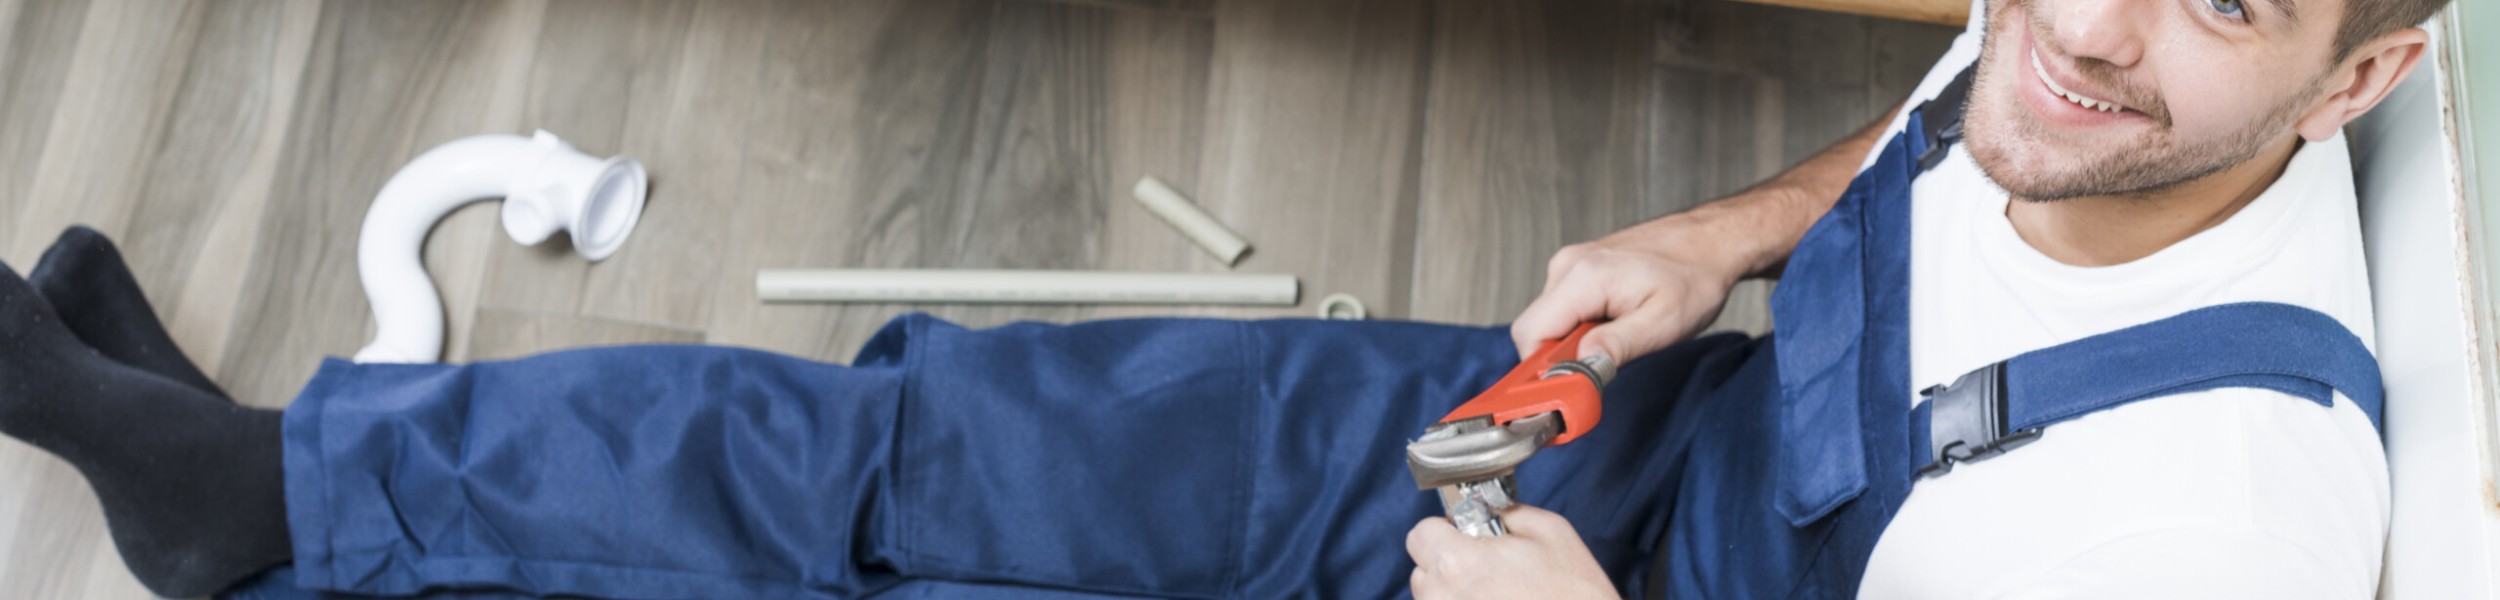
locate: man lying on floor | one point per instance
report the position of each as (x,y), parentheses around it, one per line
(2141,265)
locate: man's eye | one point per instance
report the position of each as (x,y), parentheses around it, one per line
(2229,8)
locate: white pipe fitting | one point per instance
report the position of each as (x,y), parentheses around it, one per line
(1341,307)
(547,186)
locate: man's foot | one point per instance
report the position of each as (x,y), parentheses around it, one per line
(192,485)
(82,276)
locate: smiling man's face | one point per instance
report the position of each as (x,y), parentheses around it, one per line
(2128,97)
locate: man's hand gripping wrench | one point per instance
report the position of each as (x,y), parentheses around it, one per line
(1551,398)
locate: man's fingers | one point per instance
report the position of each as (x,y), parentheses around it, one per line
(1532,522)
(1607,339)
(1429,541)
(1429,544)
(1554,314)
(1529,515)
(1560,266)
(1633,334)
(1541,557)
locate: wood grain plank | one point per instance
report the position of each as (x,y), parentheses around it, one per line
(1068,104)
(668,83)
(1535,140)
(504,333)
(1077,102)
(212,125)
(127,55)
(200,314)
(109,579)
(36,48)
(386,82)
(1899,53)
(1313,131)
(60,529)
(688,121)
(1031,191)
(1157,77)
(866,114)
(1716,132)
(1770,41)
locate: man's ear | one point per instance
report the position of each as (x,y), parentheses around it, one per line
(2363,80)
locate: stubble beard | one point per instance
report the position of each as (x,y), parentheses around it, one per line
(2017,153)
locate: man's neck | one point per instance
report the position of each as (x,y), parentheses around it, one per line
(2099,231)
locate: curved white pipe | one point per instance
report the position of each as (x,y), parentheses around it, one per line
(547,186)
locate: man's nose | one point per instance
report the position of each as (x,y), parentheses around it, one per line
(2111,31)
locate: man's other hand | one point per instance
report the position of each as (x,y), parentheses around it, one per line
(1654,285)
(1542,557)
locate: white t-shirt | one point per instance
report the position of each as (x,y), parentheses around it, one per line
(2232,493)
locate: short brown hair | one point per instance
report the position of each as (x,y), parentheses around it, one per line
(2365,20)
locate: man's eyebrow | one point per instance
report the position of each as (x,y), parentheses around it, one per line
(2290,9)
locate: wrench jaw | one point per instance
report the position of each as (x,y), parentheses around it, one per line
(1476,507)
(1471,463)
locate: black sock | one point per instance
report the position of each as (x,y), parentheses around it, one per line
(83,277)
(192,485)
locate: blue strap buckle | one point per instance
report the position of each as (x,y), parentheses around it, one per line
(1967,421)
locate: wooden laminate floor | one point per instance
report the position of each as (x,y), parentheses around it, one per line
(1423,155)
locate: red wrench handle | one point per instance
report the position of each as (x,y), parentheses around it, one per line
(1527,392)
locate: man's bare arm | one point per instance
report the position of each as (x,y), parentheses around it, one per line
(1758,227)
(1660,281)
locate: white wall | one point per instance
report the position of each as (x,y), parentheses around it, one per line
(2445,537)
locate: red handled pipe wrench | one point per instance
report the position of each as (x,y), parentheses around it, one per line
(1550,399)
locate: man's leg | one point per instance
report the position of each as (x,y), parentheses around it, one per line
(189,482)
(1154,457)
(1189,458)
(84,279)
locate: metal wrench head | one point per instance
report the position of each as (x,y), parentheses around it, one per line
(1470,463)
(1474,449)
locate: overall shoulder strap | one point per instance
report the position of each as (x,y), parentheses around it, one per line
(2264,345)
(1940,122)
(1843,312)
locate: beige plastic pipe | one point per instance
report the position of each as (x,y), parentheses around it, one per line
(974,286)
(1210,234)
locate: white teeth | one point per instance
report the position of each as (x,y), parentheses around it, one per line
(2080,99)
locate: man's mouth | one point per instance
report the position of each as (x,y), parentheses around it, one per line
(2042,71)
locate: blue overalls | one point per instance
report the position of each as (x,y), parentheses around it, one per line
(1191,458)
(1786,496)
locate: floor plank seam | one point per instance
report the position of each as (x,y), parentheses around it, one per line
(594,319)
